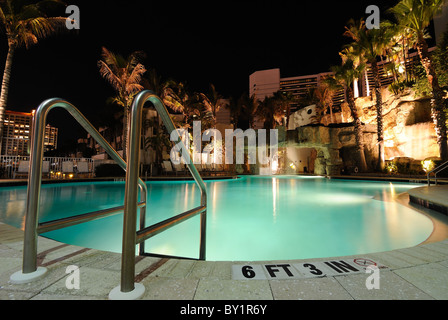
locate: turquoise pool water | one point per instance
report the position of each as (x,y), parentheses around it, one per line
(250,219)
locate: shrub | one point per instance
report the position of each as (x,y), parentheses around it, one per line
(391,167)
(428,165)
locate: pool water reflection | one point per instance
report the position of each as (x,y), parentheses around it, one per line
(251,218)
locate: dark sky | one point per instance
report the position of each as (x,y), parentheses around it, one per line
(199,42)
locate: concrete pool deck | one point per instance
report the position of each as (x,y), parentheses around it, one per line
(417,273)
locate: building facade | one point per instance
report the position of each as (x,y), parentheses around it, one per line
(265,83)
(17,127)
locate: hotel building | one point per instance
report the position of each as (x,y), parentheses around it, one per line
(17,128)
(265,83)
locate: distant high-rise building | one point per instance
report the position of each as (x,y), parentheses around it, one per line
(265,83)
(262,83)
(17,128)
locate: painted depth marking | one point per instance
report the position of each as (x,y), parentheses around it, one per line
(279,271)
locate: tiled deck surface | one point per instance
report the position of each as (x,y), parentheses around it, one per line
(418,273)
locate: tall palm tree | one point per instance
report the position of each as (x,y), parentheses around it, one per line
(369,44)
(284,99)
(416,15)
(235,109)
(309,98)
(158,141)
(210,103)
(25,24)
(171,92)
(344,75)
(249,105)
(324,94)
(272,111)
(125,76)
(153,81)
(178,98)
(215,100)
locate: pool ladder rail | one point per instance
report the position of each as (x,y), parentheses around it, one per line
(127,289)
(435,171)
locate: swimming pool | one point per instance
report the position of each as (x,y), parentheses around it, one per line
(252,218)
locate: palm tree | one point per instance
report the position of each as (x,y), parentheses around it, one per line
(215,100)
(159,140)
(344,75)
(178,98)
(324,94)
(210,104)
(369,45)
(249,105)
(152,81)
(285,99)
(125,76)
(416,15)
(25,24)
(271,111)
(235,111)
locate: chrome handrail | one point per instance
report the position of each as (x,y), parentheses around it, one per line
(436,170)
(130,235)
(32,227)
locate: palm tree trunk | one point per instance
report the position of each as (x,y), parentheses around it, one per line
(357,130)
(5,87)
(288,115)
(124,143)
(403,52)
(379,115)
(437,110)
(331,112)
(366,77)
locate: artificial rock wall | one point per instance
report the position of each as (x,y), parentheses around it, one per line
(408,132)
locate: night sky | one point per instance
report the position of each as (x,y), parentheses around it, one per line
(198,42)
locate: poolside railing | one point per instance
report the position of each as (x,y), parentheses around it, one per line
(57,167)
(131,237)
(30,270)
(435,171)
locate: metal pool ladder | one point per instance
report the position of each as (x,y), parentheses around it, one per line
(435,171)
(131,237)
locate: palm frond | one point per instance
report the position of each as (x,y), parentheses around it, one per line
(173,103)
(416,14)
(27,23)
(108,74)
(110,59)
(27,39)
(40,27)
(116,100)
(134,60)
(133,88)
(3,19)
(136,75)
